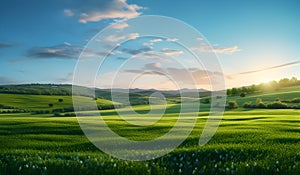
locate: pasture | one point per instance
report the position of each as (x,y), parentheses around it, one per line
(41,102)
(259,141)
(283,94)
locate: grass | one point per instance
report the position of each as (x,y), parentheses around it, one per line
(247,142)
(41,102)
(282,94)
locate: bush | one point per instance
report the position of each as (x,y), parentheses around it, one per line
(247,105)
(243,94)
(70,114)
(57,114)
(277,105)
(59,110)
(68,109)
(296,107)
(258,101)
(232,105)
(206,101)
(60,100)
(295,100)
(261,105)
(50,105)
(40,112)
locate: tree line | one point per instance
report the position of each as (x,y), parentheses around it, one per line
(264,87)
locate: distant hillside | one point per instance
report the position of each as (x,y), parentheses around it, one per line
(283,94)
(50,103)
(136,96)
(37,89)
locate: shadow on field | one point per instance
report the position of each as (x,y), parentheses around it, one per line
(42,128)
(244,119)
(169,110)
(285,140)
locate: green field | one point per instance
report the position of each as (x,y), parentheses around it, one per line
(258,141)
(282,94)
(41,102)
(248,141)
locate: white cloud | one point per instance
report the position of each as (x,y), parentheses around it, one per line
(115,9)
(63,51)
(116,38)
(119,25)
(227,50)
(190,77)
(155,40)
(171,52)
(67,44)
(172,40)
(223,50)
(152,66)
(68,12)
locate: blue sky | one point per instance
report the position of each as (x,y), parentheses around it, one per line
(40,41)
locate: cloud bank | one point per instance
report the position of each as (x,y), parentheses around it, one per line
(95,11)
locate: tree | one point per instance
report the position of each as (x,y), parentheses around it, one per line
(229,92)
(253,88)
(60,100)
(294,81)
(243,94)
(232,105)
(206,101)
(244,89)
(274,85)
(50,105)
(234,91)
(284,82)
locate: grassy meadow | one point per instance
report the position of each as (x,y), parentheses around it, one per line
(248,141)
(41,102)
(283,94)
